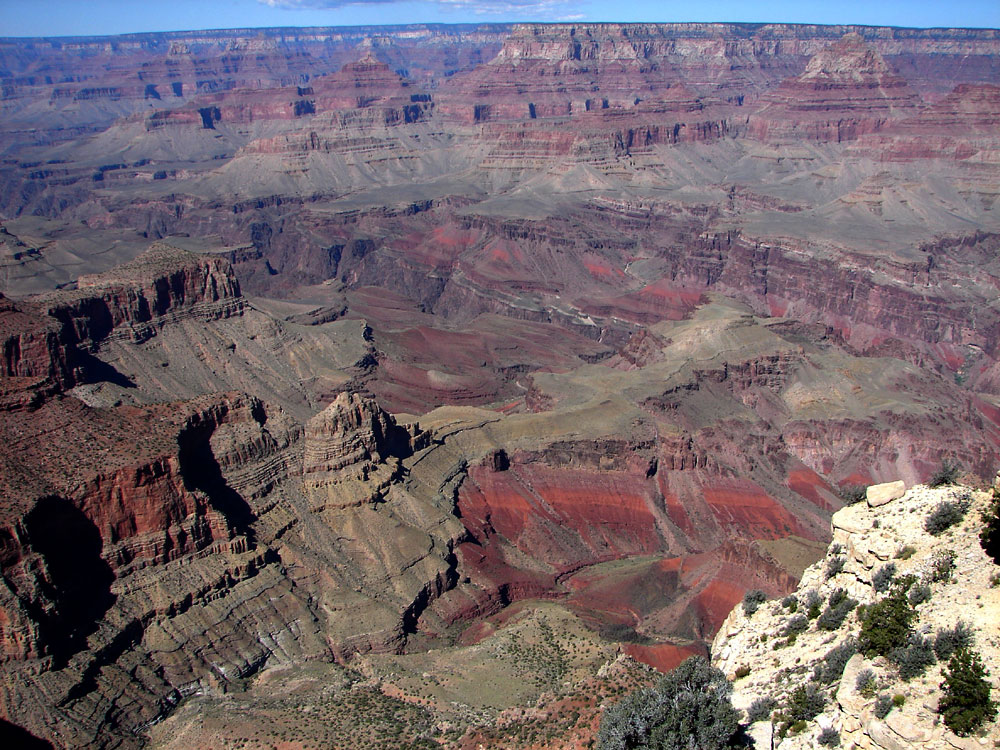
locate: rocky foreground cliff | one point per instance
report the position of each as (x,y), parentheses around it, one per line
(805,667)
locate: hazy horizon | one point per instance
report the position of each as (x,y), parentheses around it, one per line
(59,18)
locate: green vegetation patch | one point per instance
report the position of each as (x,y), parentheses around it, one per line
(966,703)
(689,708)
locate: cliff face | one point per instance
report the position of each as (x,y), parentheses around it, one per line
(95,85)
(108,542)
(146,549)
(352,452)
(171,557)
(957,585)
(847,90)
(53,338)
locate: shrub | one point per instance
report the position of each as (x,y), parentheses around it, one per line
(761,709)
(752,601)
(942,566)
(866,684)
(905,553)
(742,671)
(914,658)
(799,726)
(836,659)
(947,473)
(886,624)
(883,705)
(813,603)
(945,515)
(883,577)
(919,594)
(989,537)
(966,703)
(834,566)
(817,674)
(835,613)
(852,494)
(806,702)
(829,737)
(837,596)
(796,624)
(898,700)
(688,707)
(790,603)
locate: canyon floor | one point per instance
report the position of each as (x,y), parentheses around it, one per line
(437,385)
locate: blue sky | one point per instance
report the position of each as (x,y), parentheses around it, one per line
(85,17)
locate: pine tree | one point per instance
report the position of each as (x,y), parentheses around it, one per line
(966,703)
(887,624)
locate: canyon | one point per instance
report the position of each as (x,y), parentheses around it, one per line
(352,368)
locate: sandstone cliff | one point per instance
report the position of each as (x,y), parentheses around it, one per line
(780,647)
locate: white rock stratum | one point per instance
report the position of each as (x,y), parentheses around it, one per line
(866,538)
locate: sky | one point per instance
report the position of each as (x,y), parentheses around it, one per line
(92,17)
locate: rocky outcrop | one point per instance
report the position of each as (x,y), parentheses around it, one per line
(52,338)
(162,282)
(111,545)
(776,649)
(367,83)
(880,494)
(170,69)
(353,450)
(146,550)
(35,357)
(183,543)
(846,91)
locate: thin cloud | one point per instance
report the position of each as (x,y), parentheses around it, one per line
(548,9)
(497,7)
(318,4)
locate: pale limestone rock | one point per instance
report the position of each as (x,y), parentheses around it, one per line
(911,725)
(880,494)
(850,724)
(885,738)
(852,520)
(883,547)
(966,743)
(848,698)
(869,537)
(762,733)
